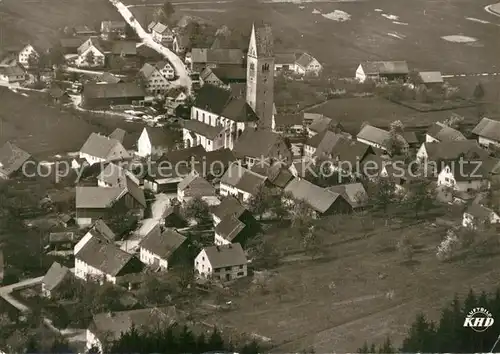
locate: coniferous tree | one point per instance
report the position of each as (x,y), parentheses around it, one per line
(187,341)
(420,336)
(364,349)
(201,343)
(386,347)
(215,342)
(251,348)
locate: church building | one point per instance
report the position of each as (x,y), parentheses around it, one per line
(220,115)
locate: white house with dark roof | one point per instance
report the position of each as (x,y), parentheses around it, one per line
(12,160)
(100,148)
(451,150)
(254,146)
(55,277)
(439,132)
(240,182)
(195,186)
(103,261)
(306,64)
(159,246)
(322,123)
(373,136)
(488,132)
(224,263)
(464,176)
(161,33)
(155,81)
(354,193)
(153,142)
(387,70)
(476,215)
(115,176)
(202,58)
(233,222)
(431,78)
(25,53)
(12,74)
(324,141)
(91,49)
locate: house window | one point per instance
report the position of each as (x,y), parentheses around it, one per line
(197,263)
(228,268)
(240,274)
(202,258)
(241,267)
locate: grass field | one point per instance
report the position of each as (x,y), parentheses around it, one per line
(370,34)
(38,21)
(336,303)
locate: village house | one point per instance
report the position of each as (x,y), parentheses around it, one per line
(157,76)
(115,176)
(69,46)
(322,123)
(109,326)
(12,74)
(202,58)
(55,278)
(307,65)
(91,54)
(14,161)
(354,193)
(162,34)
(431,79)
(256,146)
(66,220)
(450,150)
(108,78)
(385,70)
(100,148)
(96,202)
(240,182)
(464,176)
(194,186)
(26,53)
(278,175)
(289,124)
(98,96)
(324,141)
(373,136)
(61,240)
(102,261)
(233,222)
(477,215)
(100,230)
(224,263)
(224,76)
(153,142)
(439,132)
(488,132)
(83,30)
(321,200)
(124,49)
(284,62)
(180,43)
(113,30)
(159,246)
(217,119)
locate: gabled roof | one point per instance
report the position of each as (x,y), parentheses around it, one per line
(157,136)
(444,133)
(242,178)
(104,256)
(124,48)
(479,211)
(431,77)
(304,60)
(217,56)
(256,143)
(212,98)
(55,276)
(97,197)
(350,151)
(229,228)
(468,171)
(320,199)
(288,120)
(12,158)
(148,70)
(160,28)
(374,135)
(72,43)
(196,186)
(326,140)
(91,42)
(176,156)
(323,123)
(101,230)
(284,58)
(14,70)
(111,325)
(385,67)
(110,91)
(163,244)
(451,150)
(113,175)
(225,256)
(229,206)
(264,40)
(354,193)
(238,110)
(201,128)
(99,146)
(118,134)
(488,128)
(109,26)
(56,237)
(277,174)
(230,74)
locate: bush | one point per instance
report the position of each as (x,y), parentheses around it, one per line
(447,248)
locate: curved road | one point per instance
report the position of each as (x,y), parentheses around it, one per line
(493,9)
(179,67)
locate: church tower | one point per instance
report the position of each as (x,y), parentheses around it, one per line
(260,75)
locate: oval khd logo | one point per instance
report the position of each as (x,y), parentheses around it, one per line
(479,319)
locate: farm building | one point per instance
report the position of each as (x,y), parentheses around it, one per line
(12,74)
(488,132)
(224,263)
(103,96)
(202,58)
(386,70)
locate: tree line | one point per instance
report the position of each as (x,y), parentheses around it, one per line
(448,334)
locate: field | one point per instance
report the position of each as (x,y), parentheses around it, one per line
(375,30)
(39,21)
(361,290)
